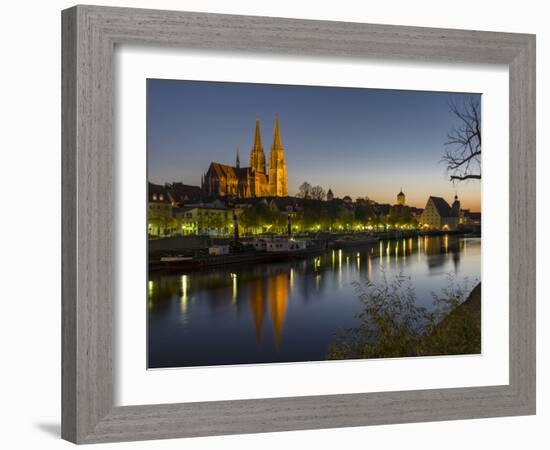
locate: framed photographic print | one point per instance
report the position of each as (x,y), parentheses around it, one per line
(252,263)
(278,224)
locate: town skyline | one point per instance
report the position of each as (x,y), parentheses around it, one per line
(191,124)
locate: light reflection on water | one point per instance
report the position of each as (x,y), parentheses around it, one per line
(286,312)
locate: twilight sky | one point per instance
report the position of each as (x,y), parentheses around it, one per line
(358,142)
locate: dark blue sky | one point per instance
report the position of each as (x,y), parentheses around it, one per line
(355,141)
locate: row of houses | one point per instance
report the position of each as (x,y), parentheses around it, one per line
(181,209)
(178,209)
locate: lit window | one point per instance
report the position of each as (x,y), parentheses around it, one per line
(161,197)
(154,196)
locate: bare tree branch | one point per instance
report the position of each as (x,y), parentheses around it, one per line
(465,177)
(463,146)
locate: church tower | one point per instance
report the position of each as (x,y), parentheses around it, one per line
(456,207)
(278,181)
(257,156)
(401,198)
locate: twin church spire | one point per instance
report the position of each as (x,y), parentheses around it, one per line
(277,184)
(257,156)
(277,177)
(277,135)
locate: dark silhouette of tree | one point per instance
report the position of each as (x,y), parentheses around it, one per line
(400,214)
(364,212)
(304,191)
(317,193)
(463,146)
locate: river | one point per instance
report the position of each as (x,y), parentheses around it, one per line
(289,312)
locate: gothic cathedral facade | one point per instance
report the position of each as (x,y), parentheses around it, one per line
(253,181)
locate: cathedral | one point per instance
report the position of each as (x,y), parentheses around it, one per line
(255,180)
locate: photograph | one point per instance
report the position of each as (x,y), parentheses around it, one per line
(290,223)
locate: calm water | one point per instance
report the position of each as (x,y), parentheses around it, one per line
(288,312)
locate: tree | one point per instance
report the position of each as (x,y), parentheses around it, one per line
(345,217)
(400,214)
(317,193)
(463,145)
(216,222)
(363,213)
(393,324)
(304,191)
(310,216)
(325,220)
(259,218)
(249,218)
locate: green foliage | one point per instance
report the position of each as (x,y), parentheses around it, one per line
(212,221)
(401,214)
(315,214)
(345,217)
(391,323)
(260,216)
(364,213)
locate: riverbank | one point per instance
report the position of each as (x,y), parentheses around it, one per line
(459,332)
(393,326)
(250,257)
(191,252)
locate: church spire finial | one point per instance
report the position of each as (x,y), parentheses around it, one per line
(277,134)
(238,160)
(257,136)
(257,156)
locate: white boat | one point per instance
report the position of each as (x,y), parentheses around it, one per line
(218,250)
(260,244)
(285,245)
(175,258)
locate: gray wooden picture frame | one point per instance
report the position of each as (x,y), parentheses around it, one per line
(90,34)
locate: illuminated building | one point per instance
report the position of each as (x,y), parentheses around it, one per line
(438,215)
(253,181)
(401,198)
(159,211)
(202,218)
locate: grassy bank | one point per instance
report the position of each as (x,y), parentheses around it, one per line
(391,324)
(459,332)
